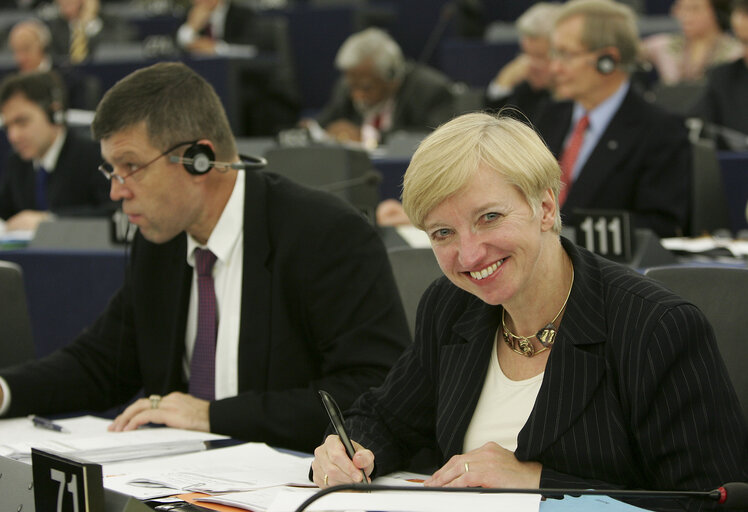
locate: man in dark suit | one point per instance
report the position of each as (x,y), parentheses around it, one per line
(269,98)
(381,93)
(51,169)
(293,303)
(626,154)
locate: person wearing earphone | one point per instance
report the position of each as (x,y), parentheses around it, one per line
(616,150)
(51,169)
(245,292)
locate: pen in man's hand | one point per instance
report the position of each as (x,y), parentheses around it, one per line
(336,417)
(40,422)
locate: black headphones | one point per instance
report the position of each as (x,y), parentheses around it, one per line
(55,107)
(605,64)
(200,158)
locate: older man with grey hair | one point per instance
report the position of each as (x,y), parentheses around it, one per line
(380,92)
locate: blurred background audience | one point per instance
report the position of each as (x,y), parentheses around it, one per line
(702,42)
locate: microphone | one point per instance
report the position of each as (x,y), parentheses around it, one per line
(732,496)
(735,140)
(370,177)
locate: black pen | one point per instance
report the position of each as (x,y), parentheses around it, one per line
(40,422)
(333,411)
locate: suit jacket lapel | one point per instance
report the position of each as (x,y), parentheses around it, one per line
(576,365)
(256,307)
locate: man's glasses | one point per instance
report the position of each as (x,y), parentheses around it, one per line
(107,169)
(566,56)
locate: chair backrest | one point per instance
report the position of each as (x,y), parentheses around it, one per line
(346,173)
(16,343)
(708,199)
(415,269)
(679,98)
(721,293)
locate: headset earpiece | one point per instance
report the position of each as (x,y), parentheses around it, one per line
(605,64)
(201,157)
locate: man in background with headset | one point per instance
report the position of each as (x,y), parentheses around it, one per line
(616,151)
(51,169)
(280,303)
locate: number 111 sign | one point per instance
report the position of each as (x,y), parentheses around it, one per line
(605,232)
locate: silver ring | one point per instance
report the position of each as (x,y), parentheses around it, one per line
(155,401)
(467,468)
(325,479)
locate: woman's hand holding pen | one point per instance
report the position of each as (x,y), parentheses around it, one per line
(332,466)
(178,410)
(487,466)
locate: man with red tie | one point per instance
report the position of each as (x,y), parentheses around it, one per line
(616,151)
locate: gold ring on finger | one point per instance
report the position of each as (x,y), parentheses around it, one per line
(155,401)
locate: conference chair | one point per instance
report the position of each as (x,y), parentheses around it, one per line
(344,172)
(721,293)
(678,98)
(16,343)
(708,198)
(415,269)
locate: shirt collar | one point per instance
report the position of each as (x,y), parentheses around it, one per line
(228,229)
(49,160)
(601,115)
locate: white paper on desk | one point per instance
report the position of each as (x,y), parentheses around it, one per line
(251,465)
(260,500)
(400,501)
(89,438)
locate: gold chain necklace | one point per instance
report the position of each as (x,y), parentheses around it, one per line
(547,335)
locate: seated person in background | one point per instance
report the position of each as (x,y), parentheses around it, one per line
(616,150)
(237,305)
(526,82)
(702,43)
(51,169)
(267,102)
(725,102)
(211,24)
(381,93)
(536,363)
(29,41)
(75,30)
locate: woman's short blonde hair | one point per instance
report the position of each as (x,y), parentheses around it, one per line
(448,158)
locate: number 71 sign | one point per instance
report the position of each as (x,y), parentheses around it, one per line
(64,484)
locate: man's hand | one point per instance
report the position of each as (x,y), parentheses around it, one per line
(26,220)
(331,465)
(487,466)
(343,130)
(177,410)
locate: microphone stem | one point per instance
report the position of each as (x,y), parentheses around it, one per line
(549,493)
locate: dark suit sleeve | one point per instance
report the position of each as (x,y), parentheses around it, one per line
(684,421)
(340,290)
(95,372)
(339,106)
(664,190)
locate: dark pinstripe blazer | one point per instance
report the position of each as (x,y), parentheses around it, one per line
(635,393)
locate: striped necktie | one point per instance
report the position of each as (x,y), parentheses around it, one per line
(78,44)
